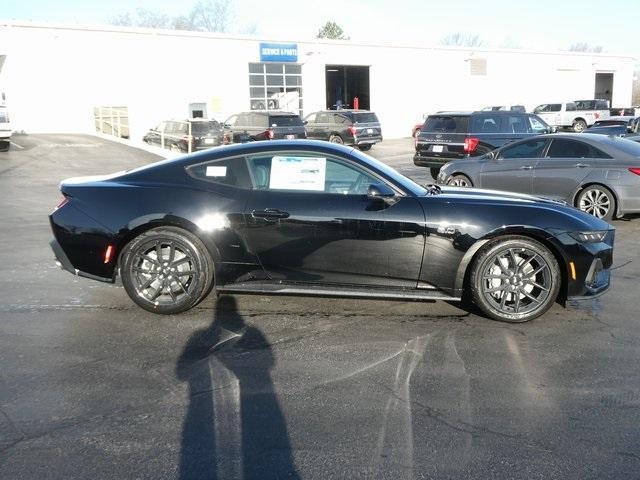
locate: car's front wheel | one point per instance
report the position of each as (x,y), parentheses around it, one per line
(459,180)
(514,279)
(579,126)
(434,171)
(166,270)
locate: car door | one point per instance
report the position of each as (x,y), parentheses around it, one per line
(561,170)
(309,219)
(511,168)
(310,125)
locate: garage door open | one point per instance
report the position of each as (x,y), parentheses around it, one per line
(344,83)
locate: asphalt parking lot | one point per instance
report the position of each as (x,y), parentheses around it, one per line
(91,386)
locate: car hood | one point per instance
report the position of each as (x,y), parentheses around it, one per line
(478,196)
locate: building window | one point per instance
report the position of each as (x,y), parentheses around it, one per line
(276,86)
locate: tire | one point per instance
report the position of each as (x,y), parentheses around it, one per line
(4,146)
(365,148)
(434,172)
(579,126)
(153,285)
(598,201)
(336,139)
(514,279)
(416,133)
(459,180)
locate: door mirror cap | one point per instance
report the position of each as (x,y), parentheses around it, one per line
(306,122)
(552,129)
(380,190)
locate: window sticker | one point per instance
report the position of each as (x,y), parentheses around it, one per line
(216,171)
(298,173)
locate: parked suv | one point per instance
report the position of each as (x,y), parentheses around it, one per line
(185,135)
(447,136)
(576,115)
(263,125)
(5,130)
(351,127)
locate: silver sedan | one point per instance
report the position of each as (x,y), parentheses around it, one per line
(595,173)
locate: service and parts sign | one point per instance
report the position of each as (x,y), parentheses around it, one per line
(278,52)
(298,173)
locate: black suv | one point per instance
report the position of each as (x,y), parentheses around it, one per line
(185,135)
(447,136)
(263,125)
(352,127)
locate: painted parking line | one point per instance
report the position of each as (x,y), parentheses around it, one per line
(17,146)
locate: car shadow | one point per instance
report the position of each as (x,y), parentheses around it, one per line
(234,426)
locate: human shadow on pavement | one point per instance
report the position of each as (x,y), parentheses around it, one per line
(234,427)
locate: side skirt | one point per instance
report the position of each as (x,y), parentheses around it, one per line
(331,291)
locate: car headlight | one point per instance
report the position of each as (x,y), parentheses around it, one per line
(589,237)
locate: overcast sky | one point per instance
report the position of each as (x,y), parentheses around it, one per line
(533,24)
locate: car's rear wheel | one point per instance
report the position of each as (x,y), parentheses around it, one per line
(598,201)
(434,171)
(459,180)
(336,139)
(514,279)
(579,126)
(166,270)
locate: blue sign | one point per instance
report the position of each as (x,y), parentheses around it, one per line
(278,52)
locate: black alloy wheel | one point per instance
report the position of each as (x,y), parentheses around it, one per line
(166,270)
(515,279)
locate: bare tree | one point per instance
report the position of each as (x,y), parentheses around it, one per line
(459,39)
(585,47)
(205,16)
(212,15)
(332,31)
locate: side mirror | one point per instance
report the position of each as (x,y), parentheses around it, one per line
(226,125)
(381,191)
(490,156)
(306,122)
(553,129)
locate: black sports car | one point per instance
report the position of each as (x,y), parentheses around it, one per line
(314,218)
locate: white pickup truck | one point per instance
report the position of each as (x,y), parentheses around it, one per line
(576,115)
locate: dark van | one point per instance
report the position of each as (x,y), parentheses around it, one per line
(263,125)
(351,127)
(447,136)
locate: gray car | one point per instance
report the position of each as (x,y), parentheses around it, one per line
(595,173)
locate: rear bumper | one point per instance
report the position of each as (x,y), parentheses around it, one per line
(367,140)
(433,162)
(65,264)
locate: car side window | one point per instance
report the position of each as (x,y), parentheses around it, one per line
(228,171)
(309,172)
(518,124)
(537,126)
(563,148)
(323,118)
(571,107)
(311,118)
(487,124)
(528,149)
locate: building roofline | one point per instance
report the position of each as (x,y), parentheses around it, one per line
(309,41)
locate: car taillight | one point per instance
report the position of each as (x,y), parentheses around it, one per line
(353,131)
(470,144)
(62,203)
(270,134)
(635,170)
(597,115)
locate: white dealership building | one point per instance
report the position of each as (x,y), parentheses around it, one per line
(60,78)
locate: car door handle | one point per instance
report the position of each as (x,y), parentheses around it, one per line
(526,167)
(582,165)
(269,213)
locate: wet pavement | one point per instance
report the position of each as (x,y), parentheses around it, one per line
(290,387)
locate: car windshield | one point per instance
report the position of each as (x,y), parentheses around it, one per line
(364,117)
(285,121)
(200,128)
(392,174)
(446,124)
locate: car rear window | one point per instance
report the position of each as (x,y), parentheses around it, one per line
(364,117)
(285,121)
(446,124)
(548,107)
(199,128)
(627,146)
